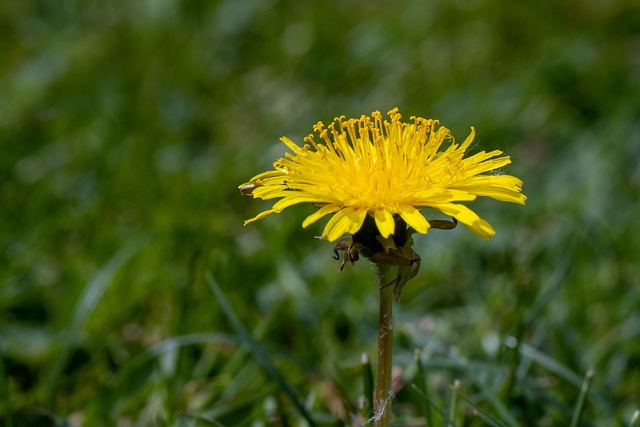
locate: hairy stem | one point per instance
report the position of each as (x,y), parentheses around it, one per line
(383,393)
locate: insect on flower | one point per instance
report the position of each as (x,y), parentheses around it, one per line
(404,257)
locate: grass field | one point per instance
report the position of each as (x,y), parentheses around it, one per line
(132,295)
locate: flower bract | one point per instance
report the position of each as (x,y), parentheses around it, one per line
(384,168)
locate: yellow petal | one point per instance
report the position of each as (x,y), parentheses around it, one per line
(325,210)
(467,142)
(384,221)
(259,216)
(442,195)
(292,198)
(468,217)
(264,175)
(505,188)
(347,220)
(270,192)
(484,162)
(292,145)
(414,218)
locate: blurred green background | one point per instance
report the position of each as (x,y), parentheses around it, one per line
(126,127)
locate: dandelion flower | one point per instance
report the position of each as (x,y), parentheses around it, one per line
(384,169)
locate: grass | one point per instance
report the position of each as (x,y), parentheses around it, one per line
(126,127)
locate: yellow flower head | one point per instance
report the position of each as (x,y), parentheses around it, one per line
(384,168)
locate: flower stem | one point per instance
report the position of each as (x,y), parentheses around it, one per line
(383,393)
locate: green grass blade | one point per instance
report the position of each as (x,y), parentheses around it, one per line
(445,417)
(367,385)
(88,300)
(584,391)
(422,384)
(557,368)
(4,392)
(256,349)
(482,414)
(551,364)
(203,418)
(635,419)
(547,293)
(165,346)
(453,404)
(495,401)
